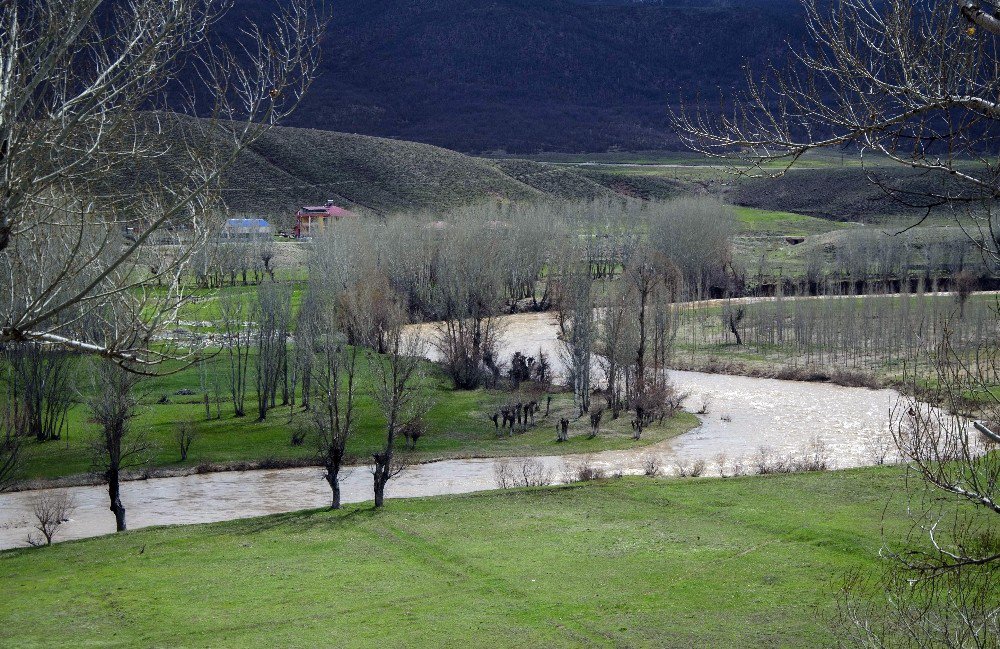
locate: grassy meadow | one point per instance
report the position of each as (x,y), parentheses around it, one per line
(636,562)
(457,425)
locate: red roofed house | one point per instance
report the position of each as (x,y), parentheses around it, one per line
(310,221)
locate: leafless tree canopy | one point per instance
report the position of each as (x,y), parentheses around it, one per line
(952,446)
(11,448)
(397,378)
(51,509)
(912,80)
(79,202)
(118,446)
(235,310)
(40,388)
(272,327)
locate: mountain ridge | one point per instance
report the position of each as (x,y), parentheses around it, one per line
(521,76)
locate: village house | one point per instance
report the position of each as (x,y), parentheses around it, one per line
(310,221)
(246,228)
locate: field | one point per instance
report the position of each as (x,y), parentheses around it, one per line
(781,224)
(457,427)
(628,562)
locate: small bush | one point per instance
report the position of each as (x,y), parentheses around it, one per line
(51,510)
(413,431)
(694,470)
(705,403)
(815,458)
(585,471)
(720,463)
(762,461)
(522,472)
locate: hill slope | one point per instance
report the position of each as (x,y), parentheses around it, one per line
(531,75)
(290,167)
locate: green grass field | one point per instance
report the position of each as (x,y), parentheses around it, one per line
(769,222)
(631,562)
(457,427)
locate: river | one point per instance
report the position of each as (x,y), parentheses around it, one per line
(743,415)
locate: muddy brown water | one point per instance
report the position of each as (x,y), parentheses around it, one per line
(743,415)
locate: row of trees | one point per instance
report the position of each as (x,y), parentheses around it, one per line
(233,261)
(488,260)
(869,260)
(870,333)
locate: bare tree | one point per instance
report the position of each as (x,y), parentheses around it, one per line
(234,312)
(648,275)
(577,314)
(41,383)
(90,178)
(468,296)
(118,447)
(939,587)
(892,609)
(334,374)
(397,377)
(51,509)
(696,235)
(616,333)
(307,332)
(913,81)
(732,316)
(273,321)
(11,448)
(184,435)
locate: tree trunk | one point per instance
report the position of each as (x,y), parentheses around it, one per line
(383,465)
(380,481)
(736,332)
(335,488)
(114,491)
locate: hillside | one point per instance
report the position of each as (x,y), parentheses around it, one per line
(845,194)
(290,167)
(532,75)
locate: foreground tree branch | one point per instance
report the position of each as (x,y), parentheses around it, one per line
(104,166)
(913,81)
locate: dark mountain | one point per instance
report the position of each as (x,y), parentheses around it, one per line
(532,75)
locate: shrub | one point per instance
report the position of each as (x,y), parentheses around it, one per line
(521,472)
(585,471)
(51,510)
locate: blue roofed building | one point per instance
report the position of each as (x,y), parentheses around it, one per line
(246,228)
